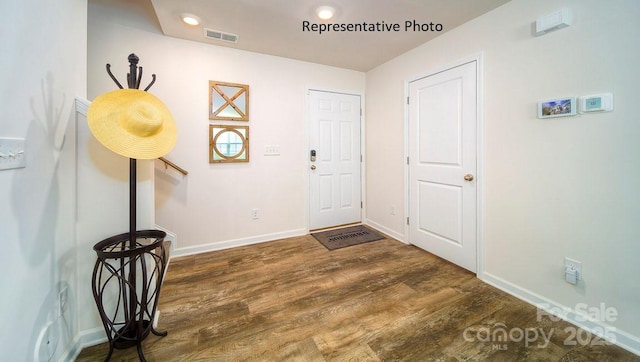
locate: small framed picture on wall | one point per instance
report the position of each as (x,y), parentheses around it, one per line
(228,143)
(558,107)
(228,101)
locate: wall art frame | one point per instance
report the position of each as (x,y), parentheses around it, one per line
(228,101)
(557,107)
(228,143)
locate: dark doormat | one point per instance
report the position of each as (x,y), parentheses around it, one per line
(349,236)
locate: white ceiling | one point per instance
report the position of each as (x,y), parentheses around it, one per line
(275,26)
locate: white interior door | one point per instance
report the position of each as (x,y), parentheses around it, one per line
(334,174)
(442,164)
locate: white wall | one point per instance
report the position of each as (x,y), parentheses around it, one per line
(211,207)
(42,67)
(552,188)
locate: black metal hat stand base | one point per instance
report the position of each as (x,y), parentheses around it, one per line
(135,275)
(130,266)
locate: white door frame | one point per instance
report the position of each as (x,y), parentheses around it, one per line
(307,163)
(478,58)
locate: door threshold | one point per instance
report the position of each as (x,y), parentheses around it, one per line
(335,227)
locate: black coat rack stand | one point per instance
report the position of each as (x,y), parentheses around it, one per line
(130,266)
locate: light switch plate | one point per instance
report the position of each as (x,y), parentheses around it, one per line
(12,153)
(272,150)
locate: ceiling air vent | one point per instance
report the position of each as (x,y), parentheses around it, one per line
(220,35)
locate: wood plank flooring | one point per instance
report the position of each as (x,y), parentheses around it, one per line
(293,300)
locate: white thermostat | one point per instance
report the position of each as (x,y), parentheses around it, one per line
(596,103)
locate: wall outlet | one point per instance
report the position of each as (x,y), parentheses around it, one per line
(392,210)
(255,214)
(572,270)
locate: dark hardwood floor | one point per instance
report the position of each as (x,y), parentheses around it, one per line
(293,300)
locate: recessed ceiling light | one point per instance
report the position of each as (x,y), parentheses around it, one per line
(325,12)
(190,19)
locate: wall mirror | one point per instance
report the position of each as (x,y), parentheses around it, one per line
(228,101)
(228,143)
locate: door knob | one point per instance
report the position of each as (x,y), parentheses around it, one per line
(468,177)
(313,167)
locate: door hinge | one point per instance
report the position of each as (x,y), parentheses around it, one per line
(407,221)
(407,100)
(407,160)
(361,204)
(360,158)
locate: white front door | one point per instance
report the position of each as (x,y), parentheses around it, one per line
(442,164)
(334,159)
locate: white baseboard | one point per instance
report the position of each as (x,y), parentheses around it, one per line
(172,237)
(613,335)
(190,250)
(156,320)
(384,229)
(88,338)
(221,245)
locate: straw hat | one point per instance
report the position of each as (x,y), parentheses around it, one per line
(132,123)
